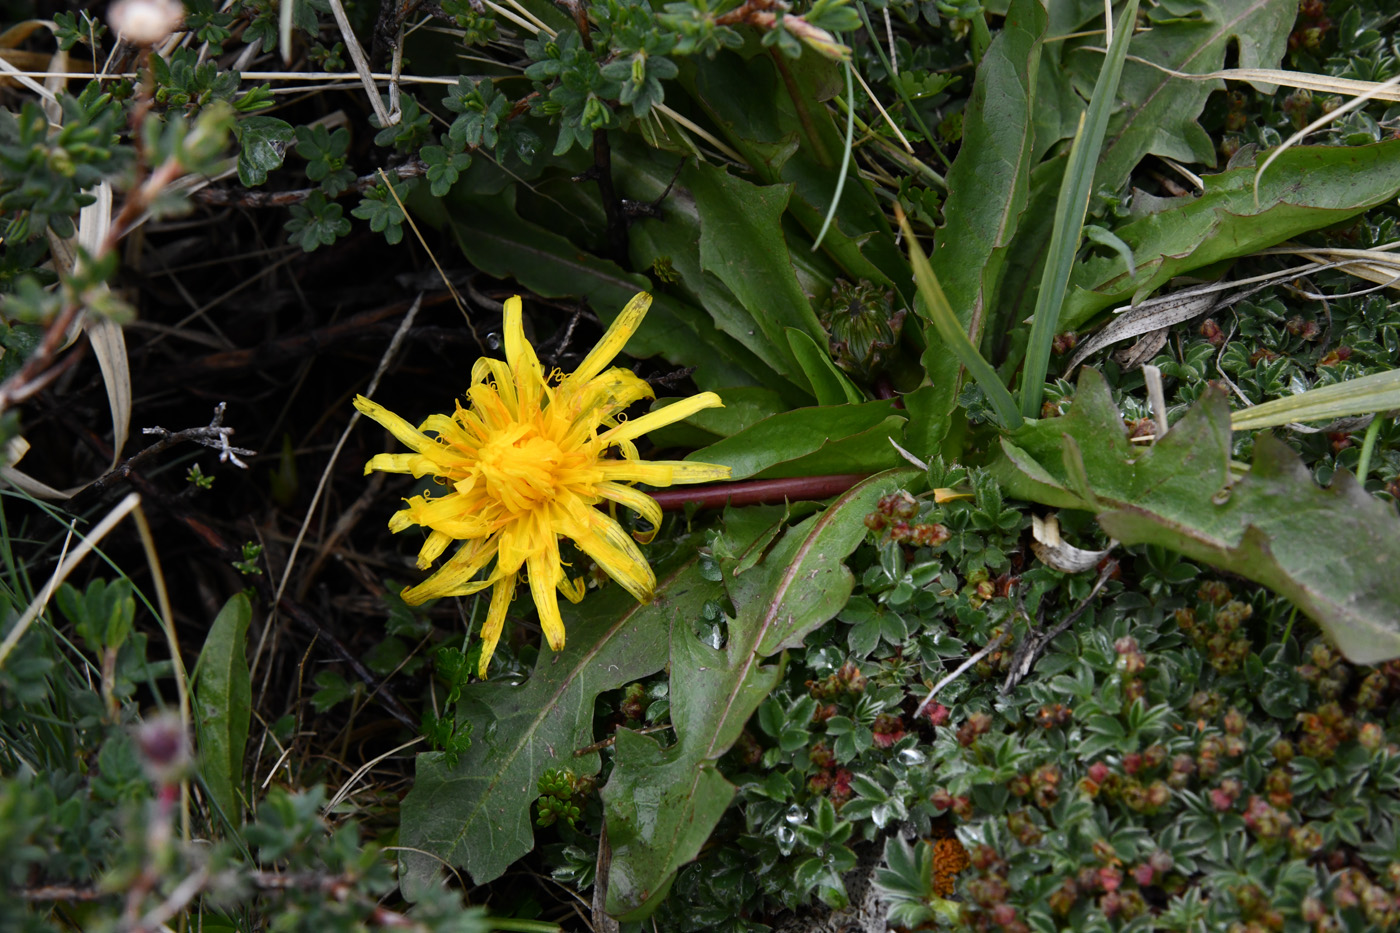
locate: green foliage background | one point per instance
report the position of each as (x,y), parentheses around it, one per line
(760,745)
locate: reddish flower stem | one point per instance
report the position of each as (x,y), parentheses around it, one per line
(756,491)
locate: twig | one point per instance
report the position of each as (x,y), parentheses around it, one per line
(27,380)
(337,886)
(242,197)
(63,892)
(1030,650)
(214,436)
(762,14)
(602,921)
(608,742)
(991,646)
(361,63)
(178,900)
(294,346)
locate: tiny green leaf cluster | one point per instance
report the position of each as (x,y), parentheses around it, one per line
(560,789)
(44,174)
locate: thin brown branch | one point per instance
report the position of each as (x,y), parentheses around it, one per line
(234,196)
(213,435)
(748,12)
(62,892)
(608,742)
(27,381)
(295,346)
(1035,644)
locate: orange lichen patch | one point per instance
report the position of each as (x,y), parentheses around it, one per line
(949,858)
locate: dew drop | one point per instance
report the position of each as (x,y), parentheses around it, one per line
(493,341)
(910,757)
(795,815)
(787,839)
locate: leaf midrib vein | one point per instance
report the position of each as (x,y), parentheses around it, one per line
(574,675)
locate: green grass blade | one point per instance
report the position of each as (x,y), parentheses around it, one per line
(1378,392)
(1069,215)
(1368,449)
(909,108)
(845,157)
(945,322)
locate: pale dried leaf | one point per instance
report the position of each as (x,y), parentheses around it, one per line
(14,451)
(108,341)
(1057,553)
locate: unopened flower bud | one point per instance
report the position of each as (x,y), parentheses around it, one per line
(164,748)
(145,22)
(1370,736)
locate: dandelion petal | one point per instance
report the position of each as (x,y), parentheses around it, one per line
(528,458)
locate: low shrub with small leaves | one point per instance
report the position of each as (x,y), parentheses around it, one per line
(1194,759)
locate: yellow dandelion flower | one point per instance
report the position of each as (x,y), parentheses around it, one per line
(525,462)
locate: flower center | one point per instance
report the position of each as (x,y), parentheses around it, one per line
(520,467)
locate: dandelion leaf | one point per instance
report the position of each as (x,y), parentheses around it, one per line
(1306,188)
(1331,550)
(497,236)
(812,441)
(661,803)
(477,815)
(1159,111)
(223,705)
